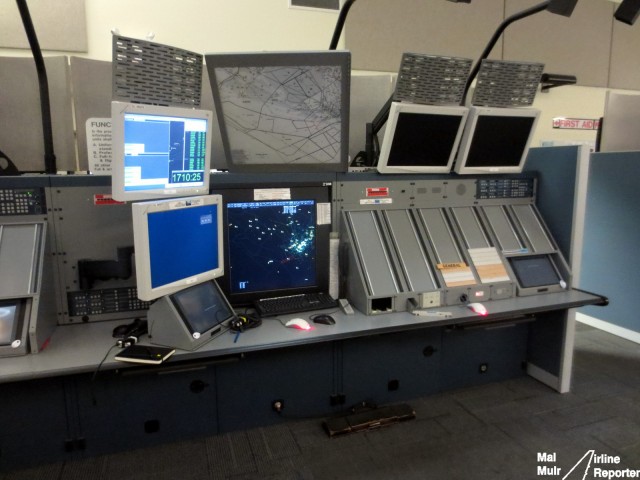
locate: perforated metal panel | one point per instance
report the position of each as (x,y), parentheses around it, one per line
(507,84)
(155,74)
(431,79)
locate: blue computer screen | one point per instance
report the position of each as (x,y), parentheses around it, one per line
(183,242)
(163,152)
(272,245)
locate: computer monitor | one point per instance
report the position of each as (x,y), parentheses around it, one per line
(13,328)
(178,242)
(535,271)
(496,140)
(159,151)
(421,138)
(276,246)
(190,317)
(282,111)
(542,273)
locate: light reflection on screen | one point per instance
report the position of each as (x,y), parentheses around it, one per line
(7,324)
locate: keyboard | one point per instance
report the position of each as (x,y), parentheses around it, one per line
(270,307)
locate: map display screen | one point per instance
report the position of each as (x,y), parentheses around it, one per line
(292,114)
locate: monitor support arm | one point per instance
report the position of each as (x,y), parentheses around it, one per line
(371,132)
(342,17)
(494,39)
(45,107)
(378,122)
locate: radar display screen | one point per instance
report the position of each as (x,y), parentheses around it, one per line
(272,245)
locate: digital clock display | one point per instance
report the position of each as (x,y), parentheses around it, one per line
(187,176)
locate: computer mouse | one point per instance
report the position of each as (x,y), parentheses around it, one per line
(299,323)
(324,319)
(479,308)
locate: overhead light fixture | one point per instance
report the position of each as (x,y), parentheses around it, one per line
(628,11)
(562,7)
(553,80)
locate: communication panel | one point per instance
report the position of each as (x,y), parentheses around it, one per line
(444,242)
(94,253)
(438,241)
(534,258)
(22,201)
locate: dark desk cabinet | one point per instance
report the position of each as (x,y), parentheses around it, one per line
(301,378)
(475,356)
(132,407)
(139,407)
(34,425)
(392,367)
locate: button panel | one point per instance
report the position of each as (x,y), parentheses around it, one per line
(22,201)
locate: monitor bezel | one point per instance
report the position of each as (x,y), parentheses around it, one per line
(398,108)
(140,215)
(312,191)
(339,58)
(118,112)
(468,137)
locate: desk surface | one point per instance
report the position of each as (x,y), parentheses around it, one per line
(80,348)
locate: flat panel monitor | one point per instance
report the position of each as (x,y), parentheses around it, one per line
(496,140)
(12,328)
(159,151)
(282,111)
(203,308)
(178,243)
(421,138)
(278,246)
(189,318)
(535,271)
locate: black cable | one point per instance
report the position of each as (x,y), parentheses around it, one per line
(95,374)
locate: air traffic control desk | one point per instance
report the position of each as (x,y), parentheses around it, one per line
(382,353)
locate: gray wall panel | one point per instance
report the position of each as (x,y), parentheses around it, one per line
(610,263)
(21,118)
(368,95)
(61,28)
(377,31)
(625,68)
(578,45)
(91,80)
